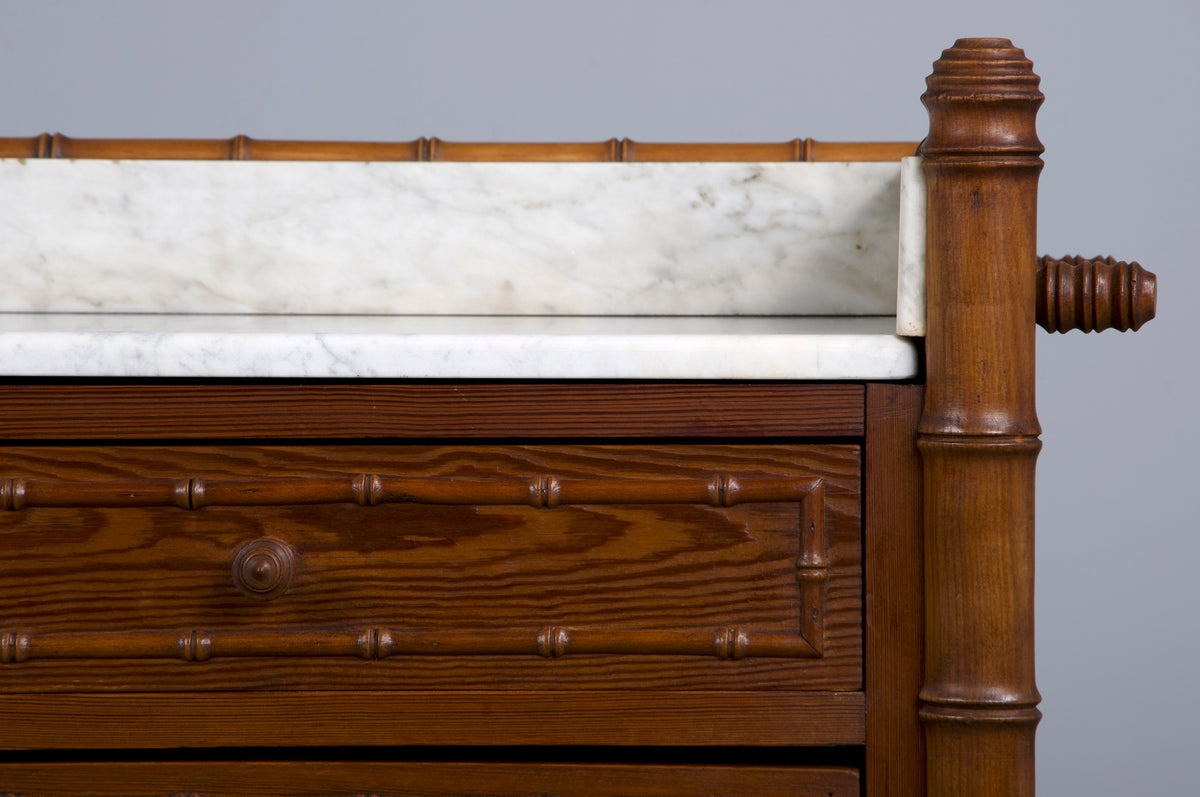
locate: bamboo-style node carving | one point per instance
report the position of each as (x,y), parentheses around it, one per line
(811,565)
(545,492)
(193,646)
(14,647)
(263,568)
(730,643)
(812,569)
(12,494)
(367,489)
(552,642)
(1094,294)
(376,643)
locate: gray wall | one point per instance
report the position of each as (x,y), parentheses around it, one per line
(1117,536)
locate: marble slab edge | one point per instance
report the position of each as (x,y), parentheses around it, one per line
(910,279)
(42,345)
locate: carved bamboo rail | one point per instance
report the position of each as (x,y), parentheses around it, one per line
(544,491)
(978,434)
(382,642)
(435,149)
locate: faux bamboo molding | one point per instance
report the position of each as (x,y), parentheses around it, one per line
(978,435)
(543,491)
(1094,294)
(263,569)
(435,149)
(382,642)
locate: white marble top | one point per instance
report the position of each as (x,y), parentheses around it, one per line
(461,270)
(449,238)
(509,347)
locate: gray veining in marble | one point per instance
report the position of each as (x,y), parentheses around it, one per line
(453,238)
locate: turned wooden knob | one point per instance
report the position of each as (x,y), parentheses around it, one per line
(263,568)
(1094,294)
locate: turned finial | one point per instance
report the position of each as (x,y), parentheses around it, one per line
(1093,294)
(975,84)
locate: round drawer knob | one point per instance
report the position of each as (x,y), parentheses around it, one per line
(263,568)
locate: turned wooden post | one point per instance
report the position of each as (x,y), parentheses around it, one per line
(978,434)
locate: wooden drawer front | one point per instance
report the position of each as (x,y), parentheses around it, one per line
(689,567)
(387,779)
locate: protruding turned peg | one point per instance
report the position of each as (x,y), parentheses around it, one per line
(1093,295)
(263,568)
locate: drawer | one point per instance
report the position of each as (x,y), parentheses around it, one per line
(703,567)
(391,779)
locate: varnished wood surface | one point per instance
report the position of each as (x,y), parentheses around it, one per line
(435,149)
(350,717)
(567,567)
(1094,294)
(978,435)
(893,592)
(403,779)
(205,410)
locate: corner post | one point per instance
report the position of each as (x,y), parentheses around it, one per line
(978,434)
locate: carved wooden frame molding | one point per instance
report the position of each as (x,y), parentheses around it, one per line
(543,491)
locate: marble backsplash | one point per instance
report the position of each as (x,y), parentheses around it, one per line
(450,238)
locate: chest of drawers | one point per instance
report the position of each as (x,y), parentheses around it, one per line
(596,574)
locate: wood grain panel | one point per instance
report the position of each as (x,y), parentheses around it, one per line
(576,558)
(403,779)
(162,409)
(653,717)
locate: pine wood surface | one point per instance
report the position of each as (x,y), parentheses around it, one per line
(893,591)
(128,409)
(978,435)
(434,149)
(358,717)
(403,779)
(565,567)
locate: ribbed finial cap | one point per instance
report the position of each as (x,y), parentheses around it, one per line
(982,98)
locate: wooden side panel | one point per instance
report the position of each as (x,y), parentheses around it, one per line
(893,591)
(329,410)
(403,779)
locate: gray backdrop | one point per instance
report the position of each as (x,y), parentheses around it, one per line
(1116,537)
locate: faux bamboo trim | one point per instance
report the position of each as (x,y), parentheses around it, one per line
(543,491)
(382,642)
(435,149)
